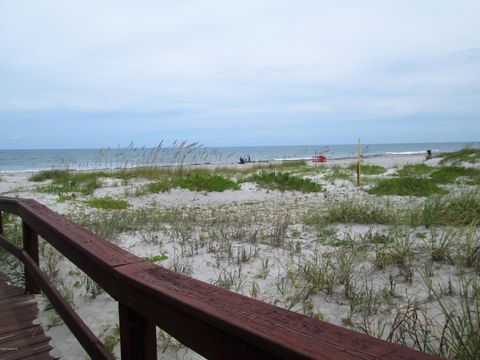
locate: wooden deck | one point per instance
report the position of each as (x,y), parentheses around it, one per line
(19,337)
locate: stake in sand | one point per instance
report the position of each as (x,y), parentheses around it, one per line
(359,165)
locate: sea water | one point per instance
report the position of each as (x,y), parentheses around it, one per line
(109,158)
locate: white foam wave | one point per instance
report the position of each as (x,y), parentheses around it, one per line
(409,152)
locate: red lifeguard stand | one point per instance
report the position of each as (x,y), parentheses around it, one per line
(319,159)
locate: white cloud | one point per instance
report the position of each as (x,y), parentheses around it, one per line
(221,58)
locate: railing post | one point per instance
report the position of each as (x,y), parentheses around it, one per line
(1,223)
(30,245)
(138,336)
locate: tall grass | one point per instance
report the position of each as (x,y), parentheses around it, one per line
(458,210)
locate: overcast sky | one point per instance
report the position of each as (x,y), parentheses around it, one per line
(99,73)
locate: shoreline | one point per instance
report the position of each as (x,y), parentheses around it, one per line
(381,158)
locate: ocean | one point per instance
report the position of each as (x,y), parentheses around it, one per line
(109,158)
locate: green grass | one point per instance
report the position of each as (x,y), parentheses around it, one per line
(64,182)
(194,182)
(283,181)
(465,155)
(108,203)
(49,175)
(197,182)
(449,174)
(452,210)
(68,182)
(337,172)
(415,170)
(158,187)
(439,175)
(368,169)
(284,165)
(356,211)
(457,210)
(406,186)
(156,258)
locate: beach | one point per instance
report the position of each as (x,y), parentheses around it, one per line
(297,234)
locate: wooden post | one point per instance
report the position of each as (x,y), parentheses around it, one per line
(30,245)
(359,165)
(138,336)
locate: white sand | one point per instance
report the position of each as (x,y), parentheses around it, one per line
(101,313)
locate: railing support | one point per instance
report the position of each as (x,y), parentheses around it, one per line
(30,245)
(138,336)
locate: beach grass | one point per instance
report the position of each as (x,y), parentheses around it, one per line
(418,170)
(107,203)
(283,181)
(407,186)
(368,169)
(338,172)
(457,210)
(470,155)
(194,182)
(461,209)
(450,174)
(355,210)
(64,182)
(197,182)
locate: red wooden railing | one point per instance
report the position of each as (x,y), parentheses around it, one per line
(214,322)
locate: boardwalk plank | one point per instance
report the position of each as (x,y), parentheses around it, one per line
(20,339)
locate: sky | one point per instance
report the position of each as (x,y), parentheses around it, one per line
(86,74)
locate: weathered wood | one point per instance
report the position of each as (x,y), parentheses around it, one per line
(138,336)
(30,245)
(84,335)
(19,337)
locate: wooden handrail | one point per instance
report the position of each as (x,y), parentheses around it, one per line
(215,322)
(94,347)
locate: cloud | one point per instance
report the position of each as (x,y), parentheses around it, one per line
(185,63)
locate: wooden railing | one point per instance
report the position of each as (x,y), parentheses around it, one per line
(214,322)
